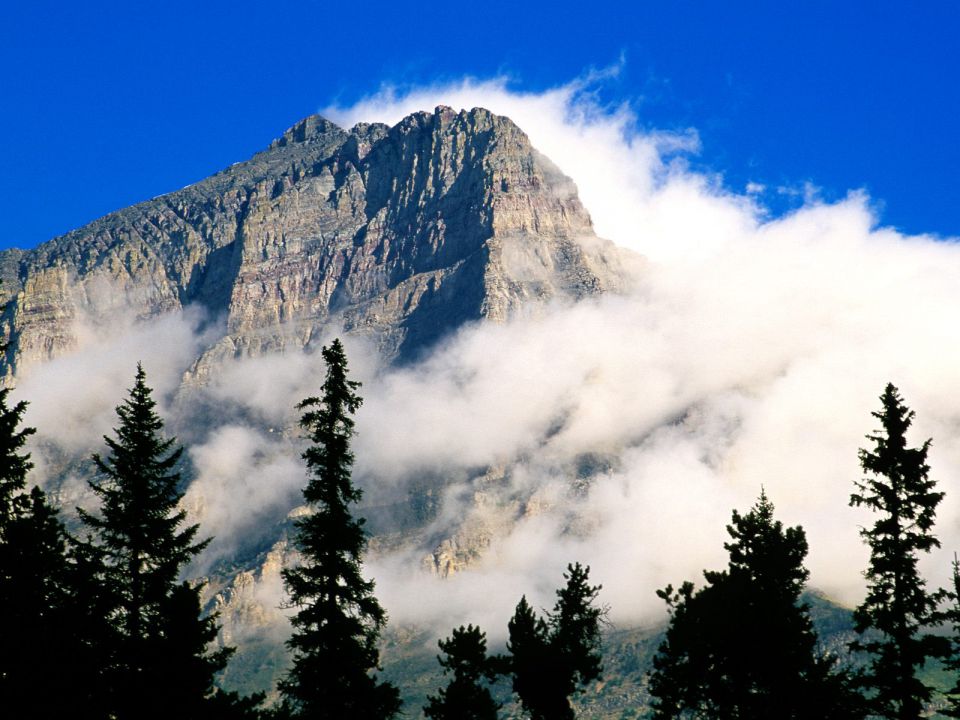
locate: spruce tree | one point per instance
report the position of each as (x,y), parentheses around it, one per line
(952,661)
(338,620)
(554,658)
(466,696)
(898,608)
(531,664)
(159,665)
(743,646)
(44,631)
(575,623)
(14,465)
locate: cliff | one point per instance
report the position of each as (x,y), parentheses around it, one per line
(399,233)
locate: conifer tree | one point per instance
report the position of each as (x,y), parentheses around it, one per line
(575,624)
(552,659)
(743,646)
(465,697)
(159,666)
(338,620)
(14,465)
(43,626)
(898,608)
(531,664)
(952,661)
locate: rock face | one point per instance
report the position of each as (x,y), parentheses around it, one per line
(402,234)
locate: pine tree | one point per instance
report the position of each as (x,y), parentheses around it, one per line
(339,620)
(743,646)
(575,622)
(159,664)
(531,663)
(554,658)
(14,466)
(33,566)
(37,636)
(952,661)
(898,607)
(43,628)
(465,697)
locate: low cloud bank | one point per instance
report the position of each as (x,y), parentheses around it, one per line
(751,354)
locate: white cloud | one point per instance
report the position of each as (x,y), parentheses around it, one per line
(246,482)
(771,338)
(752,353)
(72,399)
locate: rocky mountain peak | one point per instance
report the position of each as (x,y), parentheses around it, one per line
(310,129)
(399,233)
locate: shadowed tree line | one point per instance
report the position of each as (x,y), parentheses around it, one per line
(100,624)
(743,645)
(106,616)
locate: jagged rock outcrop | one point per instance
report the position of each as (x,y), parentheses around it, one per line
(402,234)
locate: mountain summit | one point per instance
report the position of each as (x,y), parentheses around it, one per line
(399,233)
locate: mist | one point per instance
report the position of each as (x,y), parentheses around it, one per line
(749,355)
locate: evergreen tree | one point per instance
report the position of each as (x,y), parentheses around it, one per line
(531,663)
(42,615)
(159,665)
(553,659)
(465,697)
(339,620)
(575,623)
(14,466)
(952,662)
(743,646)
(185,667)
(898,608)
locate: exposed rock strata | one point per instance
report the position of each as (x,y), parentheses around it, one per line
(402,234)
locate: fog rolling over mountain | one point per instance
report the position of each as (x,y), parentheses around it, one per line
(533,395)
(396,237)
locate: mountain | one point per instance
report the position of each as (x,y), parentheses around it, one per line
(402,234)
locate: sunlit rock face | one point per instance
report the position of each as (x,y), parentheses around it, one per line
(400,233)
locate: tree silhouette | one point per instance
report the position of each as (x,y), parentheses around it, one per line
(898,608)
(952,661)
(14,465)
(743,646)
(159,664)
(465,697)
(44,627)
(554,658)
(338,620)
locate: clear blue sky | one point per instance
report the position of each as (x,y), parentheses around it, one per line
(105,104)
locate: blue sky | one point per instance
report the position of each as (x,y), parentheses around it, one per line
(106,104)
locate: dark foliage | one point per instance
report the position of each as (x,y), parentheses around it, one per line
(898,608)
(743,646)
(14,465)
(552,659)
(467,695)
(952,661)
(338,622)
(44,629)
(158,664)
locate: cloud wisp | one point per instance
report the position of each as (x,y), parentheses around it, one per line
(750,354)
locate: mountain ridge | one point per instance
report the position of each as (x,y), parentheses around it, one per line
(403,233)
(399,234)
